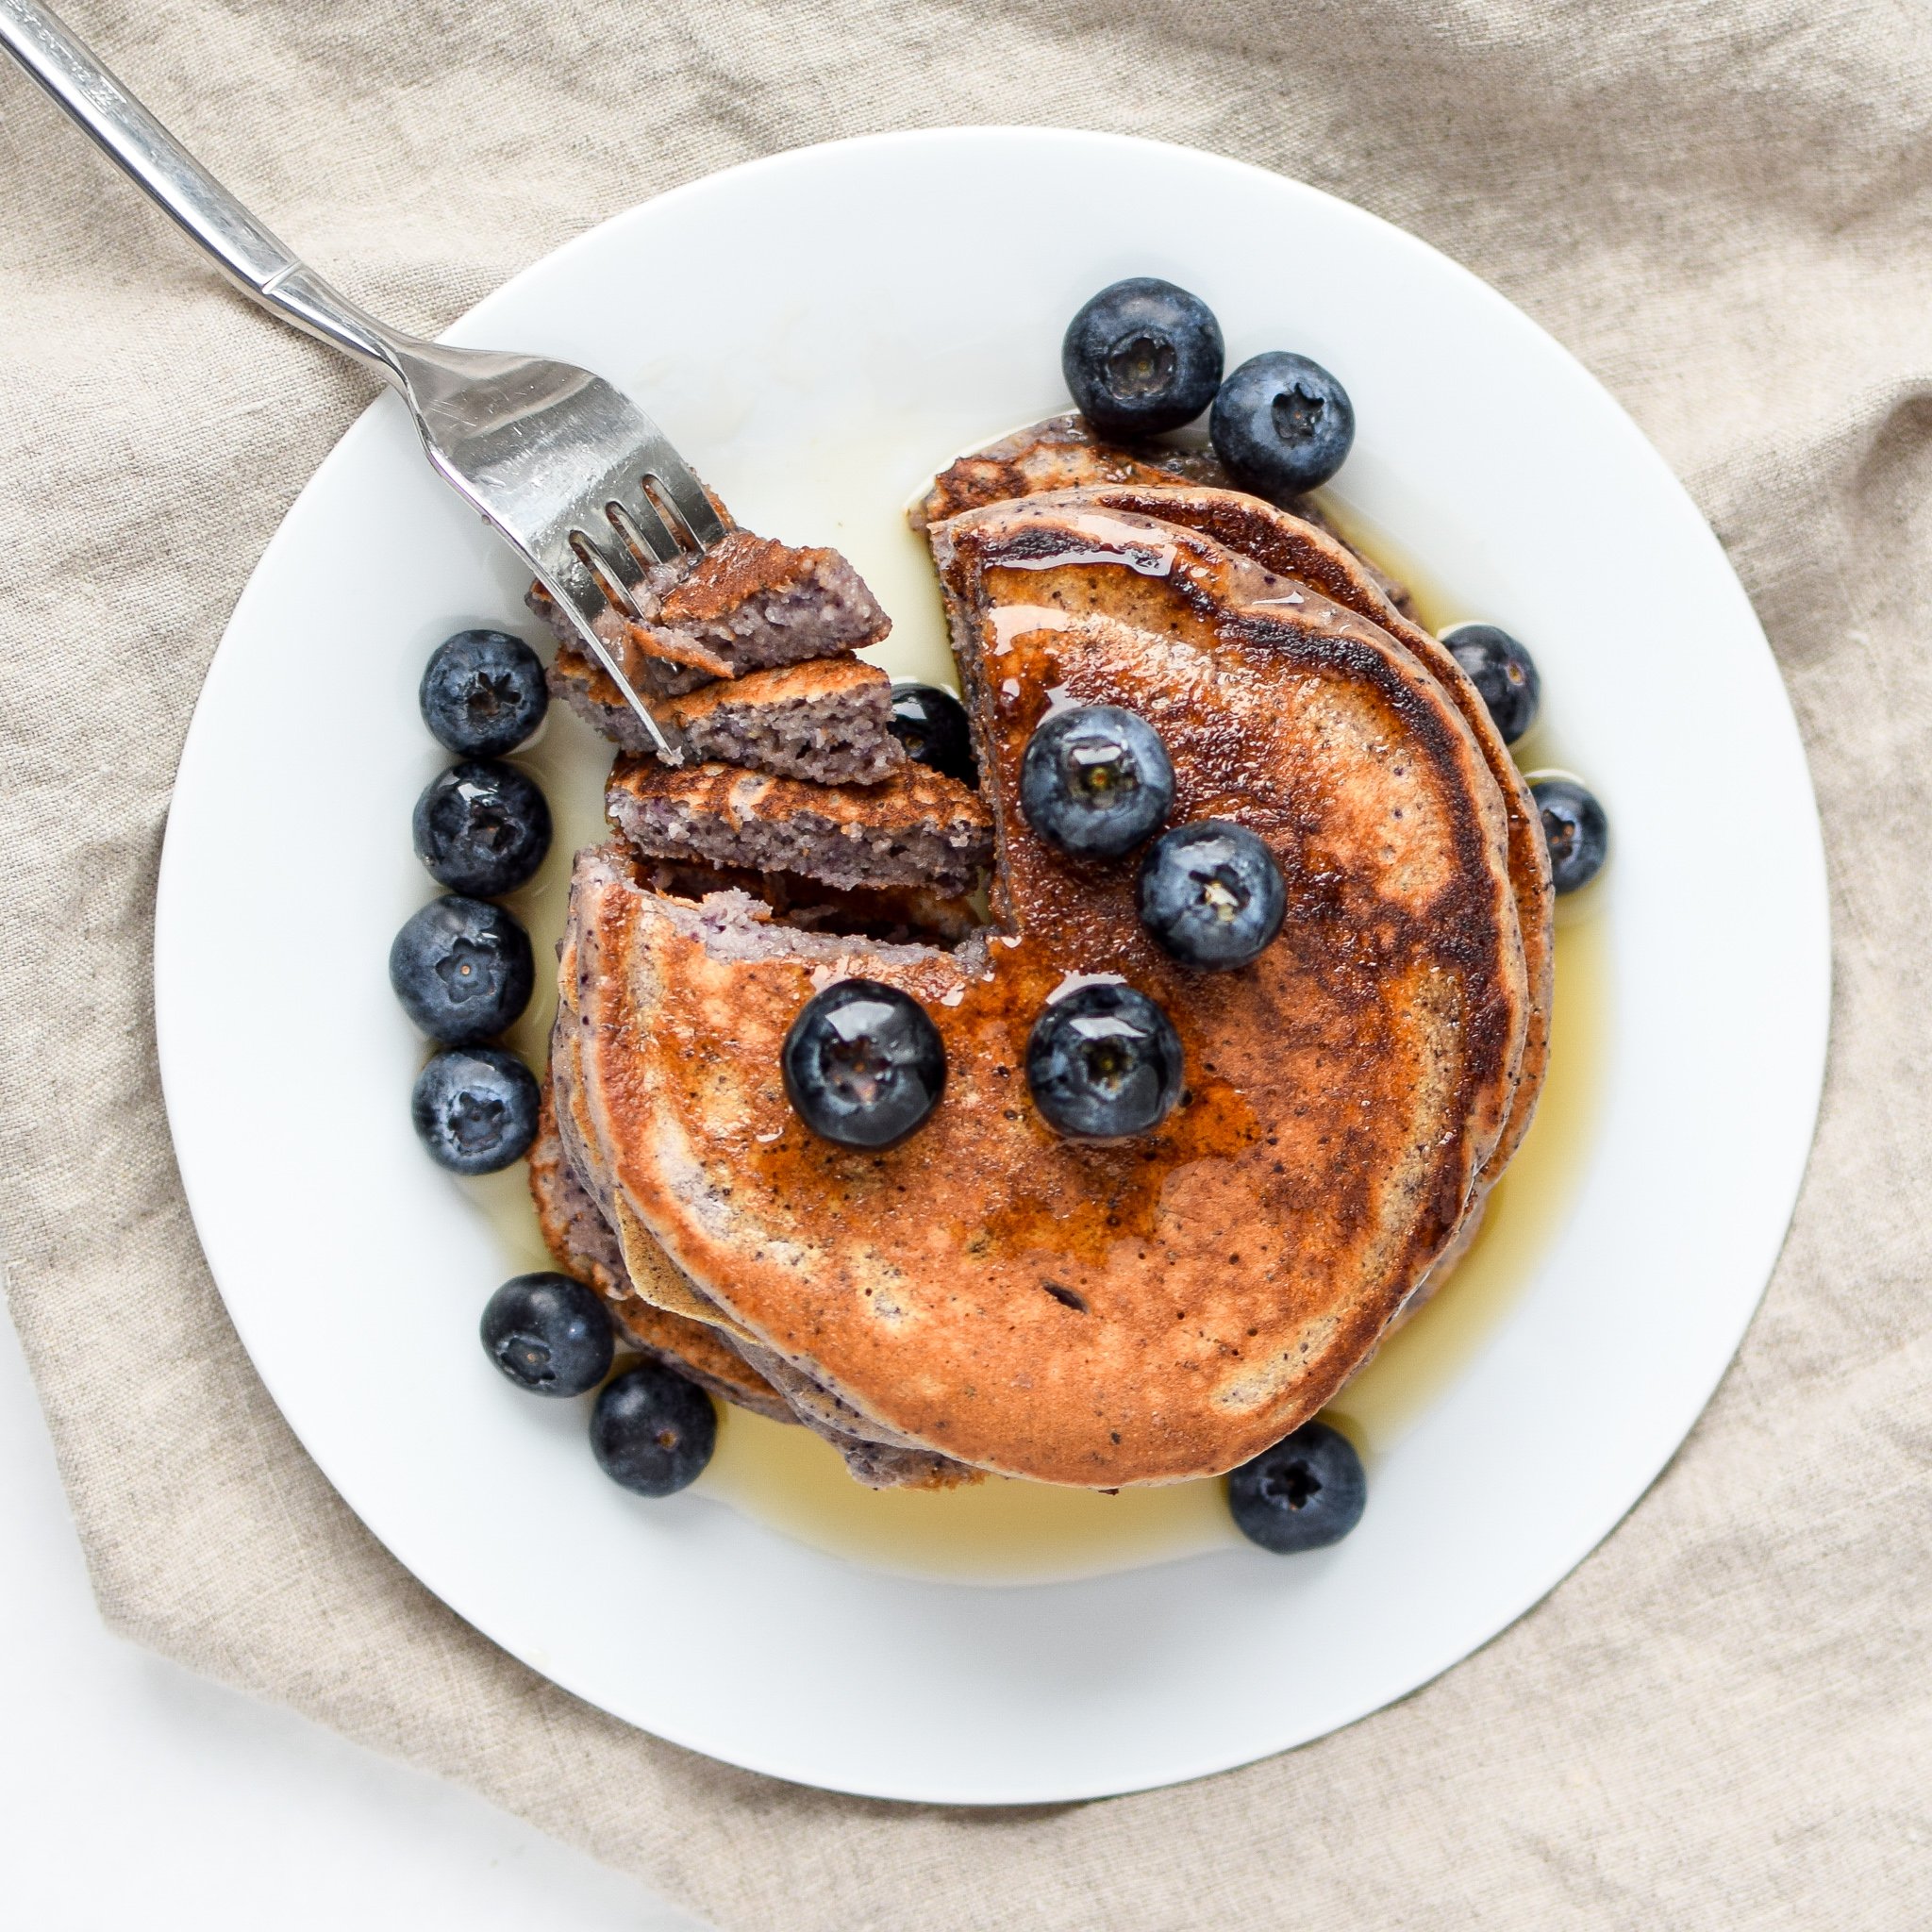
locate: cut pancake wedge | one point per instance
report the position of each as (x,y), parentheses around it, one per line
(828,719)
(919,828)
(747,604)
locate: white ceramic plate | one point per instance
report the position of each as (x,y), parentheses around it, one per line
(817,347)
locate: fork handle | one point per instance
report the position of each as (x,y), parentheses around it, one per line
(264,268)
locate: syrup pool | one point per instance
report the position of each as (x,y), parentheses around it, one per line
(1008,1532)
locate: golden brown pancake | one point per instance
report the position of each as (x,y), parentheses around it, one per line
(1063,453)
(1294,548)
(1138,1311)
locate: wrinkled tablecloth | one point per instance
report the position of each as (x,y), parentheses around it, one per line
(1724,1719)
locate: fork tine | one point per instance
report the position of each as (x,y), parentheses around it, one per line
(610,559)
(638,523)
(568,580)
(585,486)
(574,590)
(687,496)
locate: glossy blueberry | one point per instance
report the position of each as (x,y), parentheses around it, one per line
(1095,780)
(653,1431)
(1576,829)
(863,1064)
(1211,895)
(1502,671)
(462,969)
(475,1108)
(1305,1493)
(1103,1063)
(1281,425)
(481,828)
(483,693)
(548,1334)
(1142,357)
(931,724)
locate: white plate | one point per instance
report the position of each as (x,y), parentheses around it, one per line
(818,343)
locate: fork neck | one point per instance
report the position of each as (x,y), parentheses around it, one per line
(301,296)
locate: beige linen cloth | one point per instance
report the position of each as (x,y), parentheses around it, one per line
(1724,1719)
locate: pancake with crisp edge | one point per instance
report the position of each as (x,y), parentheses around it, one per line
(1293,548)
(1139,1311)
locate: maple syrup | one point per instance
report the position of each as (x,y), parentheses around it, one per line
(1002,1531)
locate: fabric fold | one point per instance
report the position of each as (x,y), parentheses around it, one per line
(1719,1720)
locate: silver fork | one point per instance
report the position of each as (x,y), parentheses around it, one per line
(580,481)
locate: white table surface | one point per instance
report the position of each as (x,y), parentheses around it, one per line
(136,1794)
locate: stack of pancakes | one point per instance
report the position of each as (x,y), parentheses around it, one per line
(987,1296)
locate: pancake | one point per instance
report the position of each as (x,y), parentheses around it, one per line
(1067,453)
(1138,1311)
(1294,548)
(917,829)
(1300,564)
(747,604)
(829,719)
(1063,453)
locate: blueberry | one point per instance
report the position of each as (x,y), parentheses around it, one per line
(481,828)
(931,724)
(1095,780)
(483,693)
(1103,1062)
(462,969)
(1211,895)
(863,1064)
(474,1109)
(548,1334)
(1502,671)
(1575,828)
(1142,357)
(653,1431)
(1305,1493)
(1281,425)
